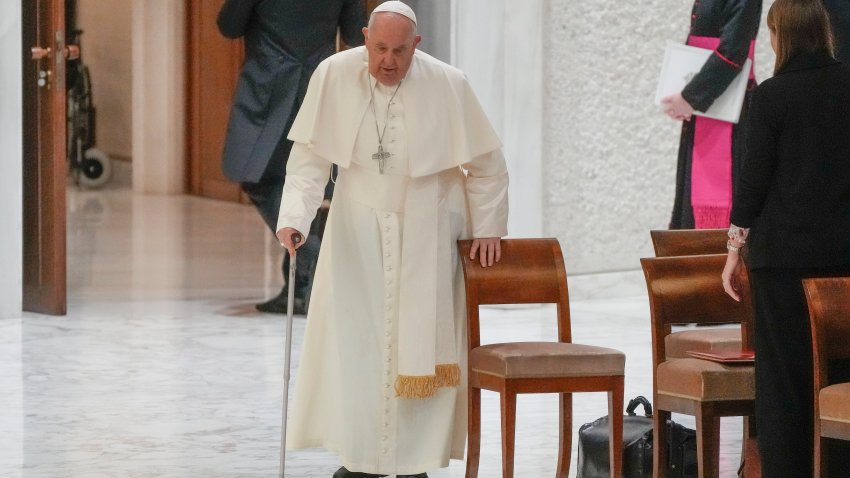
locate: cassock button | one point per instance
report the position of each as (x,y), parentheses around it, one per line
(384,451)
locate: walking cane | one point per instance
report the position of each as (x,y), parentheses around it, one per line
(290,303)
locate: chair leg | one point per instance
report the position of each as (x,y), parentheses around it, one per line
(508,432)
(473,445)
(615,424)
(565,436)
(751,459)
(708,444)
(820,456)
(659,450)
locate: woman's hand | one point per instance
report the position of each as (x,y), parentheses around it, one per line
(489,248)
(286,237)
(677,108)
(732,275)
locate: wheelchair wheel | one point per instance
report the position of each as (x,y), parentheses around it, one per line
(96,169)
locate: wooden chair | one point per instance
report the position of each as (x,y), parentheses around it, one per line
(688,242)
(531,272)
(689,289)
(829,312)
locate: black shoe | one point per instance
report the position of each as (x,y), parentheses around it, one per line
(420,475)
(344,473)
(277,305)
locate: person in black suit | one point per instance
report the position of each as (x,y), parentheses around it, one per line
(792,210)
(284,42)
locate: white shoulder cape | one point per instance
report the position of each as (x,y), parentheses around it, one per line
(448,124)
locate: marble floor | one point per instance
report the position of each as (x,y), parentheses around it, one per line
(162,367)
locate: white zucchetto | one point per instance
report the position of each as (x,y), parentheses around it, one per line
(395,6)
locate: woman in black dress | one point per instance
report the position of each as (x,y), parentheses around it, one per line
(792,209)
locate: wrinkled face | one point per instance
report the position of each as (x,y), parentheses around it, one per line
(391,41)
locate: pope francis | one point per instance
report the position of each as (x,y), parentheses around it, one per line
(381,380)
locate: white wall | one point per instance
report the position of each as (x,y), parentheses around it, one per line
(11,137)
(499,47)
(158,100)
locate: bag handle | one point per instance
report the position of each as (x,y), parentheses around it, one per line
(639,400)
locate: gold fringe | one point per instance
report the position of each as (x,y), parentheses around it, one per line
(425,386)
(416,386)
(448,375)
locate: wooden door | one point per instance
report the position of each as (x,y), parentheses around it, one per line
(44,168)
(214,63)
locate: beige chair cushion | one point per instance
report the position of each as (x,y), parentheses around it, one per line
(705,380)
(716,339)
(546,359)
(834,402)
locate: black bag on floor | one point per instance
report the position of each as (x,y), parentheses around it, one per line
(637,446)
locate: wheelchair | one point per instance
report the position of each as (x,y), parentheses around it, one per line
(88,166)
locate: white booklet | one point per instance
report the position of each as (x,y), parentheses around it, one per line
(682,63)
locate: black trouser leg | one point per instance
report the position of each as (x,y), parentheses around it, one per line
(265,195)
(784,383)
(784,376)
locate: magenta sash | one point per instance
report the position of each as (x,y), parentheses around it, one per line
(711,167)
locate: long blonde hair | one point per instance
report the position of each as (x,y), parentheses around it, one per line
(799,26)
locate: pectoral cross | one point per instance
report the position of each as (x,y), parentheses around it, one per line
(381,157)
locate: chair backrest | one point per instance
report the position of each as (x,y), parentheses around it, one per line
(688,242)
(829,314)
(688,289)
(531,271)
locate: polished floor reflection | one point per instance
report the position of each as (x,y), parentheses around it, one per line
(162,367)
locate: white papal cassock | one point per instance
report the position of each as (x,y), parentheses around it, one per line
(345,396)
